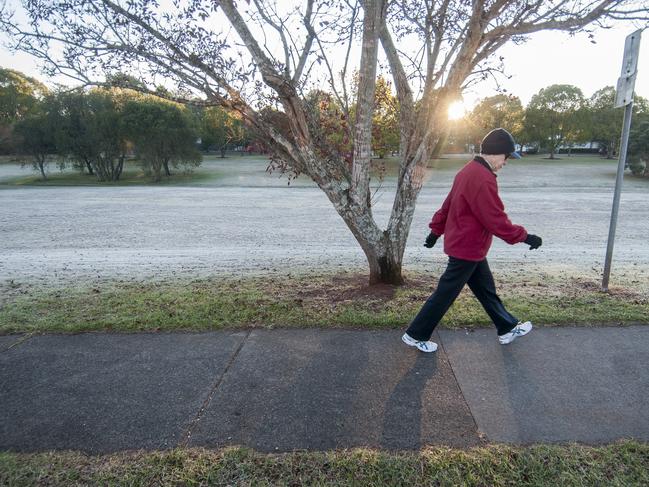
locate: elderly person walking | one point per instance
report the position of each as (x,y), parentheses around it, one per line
(469,218)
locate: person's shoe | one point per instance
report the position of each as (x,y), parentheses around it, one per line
(518,331)
(423,346)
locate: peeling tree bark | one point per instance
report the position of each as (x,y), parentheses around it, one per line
(360,188)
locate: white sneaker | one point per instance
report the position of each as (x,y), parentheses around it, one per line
(518,331)
(423,346)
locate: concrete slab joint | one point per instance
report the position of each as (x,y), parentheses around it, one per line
(192,426)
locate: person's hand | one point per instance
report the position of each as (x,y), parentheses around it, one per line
(430,240)
(533,241)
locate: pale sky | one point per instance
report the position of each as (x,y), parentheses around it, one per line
(556,58)
(546,58)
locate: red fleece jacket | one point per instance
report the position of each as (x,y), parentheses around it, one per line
(472,213)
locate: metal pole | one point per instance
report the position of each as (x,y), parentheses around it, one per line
(626,127)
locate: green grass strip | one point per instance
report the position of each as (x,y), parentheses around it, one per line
(302,302)
(621,464)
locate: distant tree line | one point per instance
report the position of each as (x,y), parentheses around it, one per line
(558,117)
(96,130)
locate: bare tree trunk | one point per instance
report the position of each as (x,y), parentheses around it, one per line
(384,256)
(99,173)
(166,167)
(385,267)
(40,161)
(610,150)
(360,219)
(120,167)
(112,168)
(156,168)
(360,189)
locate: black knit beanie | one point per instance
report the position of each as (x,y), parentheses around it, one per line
(498,141)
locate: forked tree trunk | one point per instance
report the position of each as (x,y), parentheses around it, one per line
(383,249)
(385,259)
(349,191)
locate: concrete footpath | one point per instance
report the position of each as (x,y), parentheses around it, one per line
(281,390)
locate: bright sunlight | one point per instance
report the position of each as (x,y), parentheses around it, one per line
(456,110)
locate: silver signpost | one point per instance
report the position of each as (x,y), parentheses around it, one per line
(623,98)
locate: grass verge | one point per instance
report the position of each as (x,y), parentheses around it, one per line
(303,301)
(621,464)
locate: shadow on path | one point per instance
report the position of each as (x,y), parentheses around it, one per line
(402,421)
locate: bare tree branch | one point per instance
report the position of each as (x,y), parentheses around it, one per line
(281,30)
(307,45)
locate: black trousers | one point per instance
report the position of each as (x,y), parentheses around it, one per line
(458,273)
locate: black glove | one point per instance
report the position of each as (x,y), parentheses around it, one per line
(430,240)
(533,241)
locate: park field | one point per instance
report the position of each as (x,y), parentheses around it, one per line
(232,246)
(17,171)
